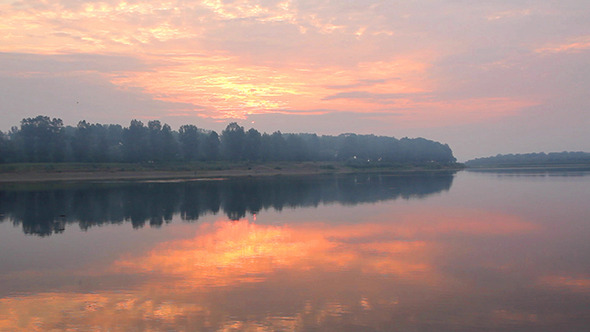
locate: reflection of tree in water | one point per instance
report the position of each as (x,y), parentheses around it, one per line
(44,212)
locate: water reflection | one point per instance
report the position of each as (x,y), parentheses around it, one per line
(239,276)
(462,261)
(48,211)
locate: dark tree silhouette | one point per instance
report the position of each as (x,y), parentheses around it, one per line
(42,139)
(135,141)
(211,147)
(232,141)
(252,144)
(188,136)
(553,158)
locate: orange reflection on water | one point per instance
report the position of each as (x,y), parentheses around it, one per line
(230,252)
(111,311)
(572,283)
(227,252)
(186,277)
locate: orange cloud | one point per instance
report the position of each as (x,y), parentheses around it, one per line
(191,64)
(232,89)
(223,86)
(576,45)
(509,14)
(92,27)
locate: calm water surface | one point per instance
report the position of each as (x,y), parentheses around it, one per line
(421,252)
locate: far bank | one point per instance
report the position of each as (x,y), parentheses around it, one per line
(150,171)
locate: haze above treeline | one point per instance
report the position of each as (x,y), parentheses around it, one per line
(43,139)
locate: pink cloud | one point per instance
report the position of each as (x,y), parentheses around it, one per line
(576,45)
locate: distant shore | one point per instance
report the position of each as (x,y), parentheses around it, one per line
(11,173)
(529,167)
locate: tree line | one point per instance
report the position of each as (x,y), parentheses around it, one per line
(542,158)
(42,139)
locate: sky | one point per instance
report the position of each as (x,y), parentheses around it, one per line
(486,77)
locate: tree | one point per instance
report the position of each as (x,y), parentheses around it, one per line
(100,151)
(81,142)
(7,148)
(211,146)
(169,144)
(43,139)
(296,149)
(277,146)
(312,145)
(232,141)
(252,144)
(114,142)
(188,136)
(156,147)
(135,142)
(349,147)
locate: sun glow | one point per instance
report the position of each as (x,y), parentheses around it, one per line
(234,90)
(185,65)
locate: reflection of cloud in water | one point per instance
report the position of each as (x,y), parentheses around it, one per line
(573,283)
(240,275)
(229,252)
(111,311)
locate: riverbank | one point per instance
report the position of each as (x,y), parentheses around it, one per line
(530,167)
(10,173)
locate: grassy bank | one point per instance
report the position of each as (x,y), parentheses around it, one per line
(25,172)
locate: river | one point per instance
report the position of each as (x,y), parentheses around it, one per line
(448,251)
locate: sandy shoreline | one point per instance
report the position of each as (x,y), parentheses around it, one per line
(40,175)
(101,175)
(106,175)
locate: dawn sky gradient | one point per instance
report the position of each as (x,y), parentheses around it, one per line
(486,77)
